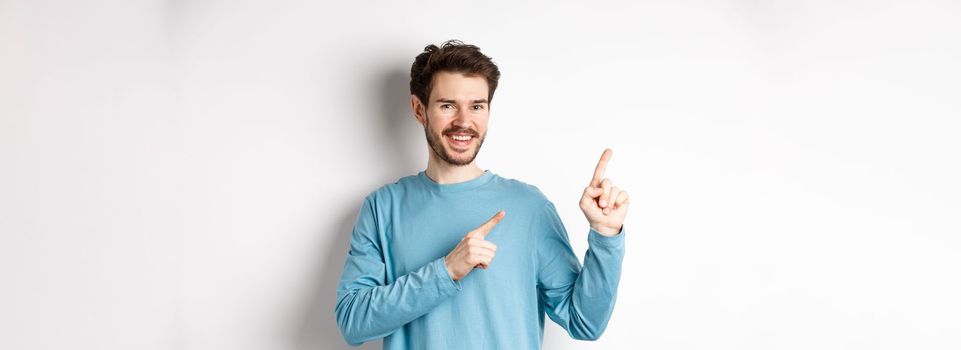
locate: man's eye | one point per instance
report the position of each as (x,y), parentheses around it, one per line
(446,105)
(478,107)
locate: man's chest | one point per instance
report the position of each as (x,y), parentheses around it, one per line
(417,235)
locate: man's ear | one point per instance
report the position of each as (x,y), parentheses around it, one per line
(419,109)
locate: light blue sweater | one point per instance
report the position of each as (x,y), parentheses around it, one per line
(395,284)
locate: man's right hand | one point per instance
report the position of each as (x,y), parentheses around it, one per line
(472,251)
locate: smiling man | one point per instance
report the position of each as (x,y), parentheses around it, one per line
(456,257)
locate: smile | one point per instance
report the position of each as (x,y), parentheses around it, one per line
(460,140)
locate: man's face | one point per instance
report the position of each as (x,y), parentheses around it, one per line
(455,117)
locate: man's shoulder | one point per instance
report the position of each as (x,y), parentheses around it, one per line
(392,189)
(521,189)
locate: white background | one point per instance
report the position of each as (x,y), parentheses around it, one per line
(185,174)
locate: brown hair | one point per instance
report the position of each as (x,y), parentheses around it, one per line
(451,56)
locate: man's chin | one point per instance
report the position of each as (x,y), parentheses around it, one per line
(460,157)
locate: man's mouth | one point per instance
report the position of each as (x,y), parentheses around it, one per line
(460,140)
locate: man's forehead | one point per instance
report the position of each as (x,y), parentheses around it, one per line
(458,87)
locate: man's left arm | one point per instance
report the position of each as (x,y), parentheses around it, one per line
(582,299)
(578,299)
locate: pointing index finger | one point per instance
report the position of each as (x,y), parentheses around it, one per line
(486,228)
(601,166)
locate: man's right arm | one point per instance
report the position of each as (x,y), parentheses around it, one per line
(368,307)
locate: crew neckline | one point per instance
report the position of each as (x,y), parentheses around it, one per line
(456,187)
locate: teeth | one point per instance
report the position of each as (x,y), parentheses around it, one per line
(460,138)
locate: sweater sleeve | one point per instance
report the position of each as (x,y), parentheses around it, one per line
(368,307)
(579,299)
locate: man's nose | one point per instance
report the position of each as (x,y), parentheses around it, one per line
(462,118)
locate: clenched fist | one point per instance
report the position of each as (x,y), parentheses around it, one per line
(472,251)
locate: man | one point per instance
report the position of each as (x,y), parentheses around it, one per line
(421,272)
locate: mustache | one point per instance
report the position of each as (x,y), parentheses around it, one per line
(464,131)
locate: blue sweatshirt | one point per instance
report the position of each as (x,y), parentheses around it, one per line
(395,284)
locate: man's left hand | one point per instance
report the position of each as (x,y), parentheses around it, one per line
(604,204)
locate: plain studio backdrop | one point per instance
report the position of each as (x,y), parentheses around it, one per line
(185,174)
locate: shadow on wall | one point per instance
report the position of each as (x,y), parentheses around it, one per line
(405,147)
(318,327)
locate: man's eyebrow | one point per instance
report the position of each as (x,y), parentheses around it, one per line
(447,100)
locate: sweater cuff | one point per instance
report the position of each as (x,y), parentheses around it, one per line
(596,239)
(445,282)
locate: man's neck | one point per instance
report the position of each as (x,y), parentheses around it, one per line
(445,173)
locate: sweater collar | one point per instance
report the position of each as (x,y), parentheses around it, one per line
(476,182)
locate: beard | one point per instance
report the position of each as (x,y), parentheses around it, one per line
(437,145)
